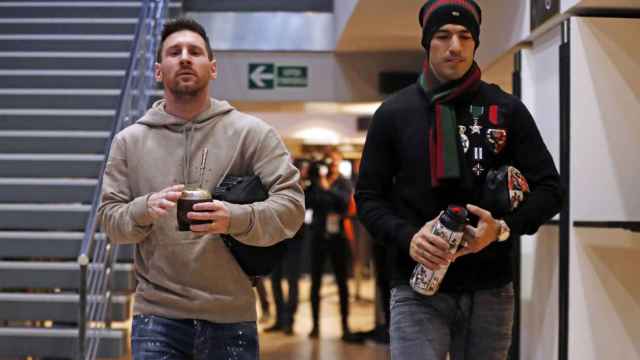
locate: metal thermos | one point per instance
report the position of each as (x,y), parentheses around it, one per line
(189,197)
(450,227)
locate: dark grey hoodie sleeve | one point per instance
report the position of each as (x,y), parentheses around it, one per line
(123,218)
(281,215)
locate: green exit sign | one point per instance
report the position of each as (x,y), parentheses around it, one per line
(261,76)
(267,76)
(292,76)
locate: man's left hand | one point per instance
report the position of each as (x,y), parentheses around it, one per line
(215,212)
(478,238)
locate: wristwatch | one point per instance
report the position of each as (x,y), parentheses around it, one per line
(503,232)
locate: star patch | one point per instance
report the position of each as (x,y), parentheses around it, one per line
(477,169)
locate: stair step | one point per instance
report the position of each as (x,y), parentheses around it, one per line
(43,216)
(76,99)
(58,342)
(72,142)
(58,101)
(46,190)
(50,165)
(56,119)
(61,60)
(76,9)
(94,45)
(54,307)
(14,80)
(66,1)
(51,244)
(57,275)
(67,26)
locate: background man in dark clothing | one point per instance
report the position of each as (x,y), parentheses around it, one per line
(328,197)
(290,269)
(431,145)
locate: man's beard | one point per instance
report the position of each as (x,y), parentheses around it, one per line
(182,90)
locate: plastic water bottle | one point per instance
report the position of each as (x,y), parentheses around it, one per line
(450,227)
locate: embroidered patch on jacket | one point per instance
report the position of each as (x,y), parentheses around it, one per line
(497,140)
(518,187)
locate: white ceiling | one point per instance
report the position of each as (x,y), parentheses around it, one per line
(385,25)
(382,25)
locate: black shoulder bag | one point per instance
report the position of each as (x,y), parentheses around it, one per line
(255,261)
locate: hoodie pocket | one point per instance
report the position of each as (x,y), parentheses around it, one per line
(198,265)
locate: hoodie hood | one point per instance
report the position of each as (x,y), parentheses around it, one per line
(157,116)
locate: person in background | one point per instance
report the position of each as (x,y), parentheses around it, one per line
(328,198)
(192,299)
(290,269)
(263,300)
(377,252)
(431,145)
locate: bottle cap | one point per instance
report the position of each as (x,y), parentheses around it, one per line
(455,217)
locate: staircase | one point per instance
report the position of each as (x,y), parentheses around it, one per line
(62,65)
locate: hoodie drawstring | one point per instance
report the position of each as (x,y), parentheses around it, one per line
(188,136)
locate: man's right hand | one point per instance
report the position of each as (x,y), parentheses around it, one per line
(429,250)
(160,202)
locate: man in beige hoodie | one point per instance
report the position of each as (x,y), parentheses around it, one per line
(192,299)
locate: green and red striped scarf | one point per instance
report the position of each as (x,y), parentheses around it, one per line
(443,139)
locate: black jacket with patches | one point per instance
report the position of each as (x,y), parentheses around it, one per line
(395,198)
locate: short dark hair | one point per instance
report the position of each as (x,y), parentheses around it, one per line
(179,24)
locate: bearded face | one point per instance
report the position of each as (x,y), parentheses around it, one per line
(185,68)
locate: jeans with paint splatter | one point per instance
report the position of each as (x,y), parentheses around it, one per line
(159,338)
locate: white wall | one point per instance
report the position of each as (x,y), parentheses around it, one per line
(604,317)
(539,271)
(505,23)
(348,77)
(541,87)
(342,10)
(568,4)
(604,298)
(605,105)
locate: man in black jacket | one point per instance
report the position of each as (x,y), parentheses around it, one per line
(431,145)
(328,198)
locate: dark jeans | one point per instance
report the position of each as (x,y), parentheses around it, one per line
(158,338)
(336,247)
(467,325)
(290,269)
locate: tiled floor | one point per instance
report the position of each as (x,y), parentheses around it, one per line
(328,346)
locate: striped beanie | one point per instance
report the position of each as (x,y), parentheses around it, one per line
(436,13)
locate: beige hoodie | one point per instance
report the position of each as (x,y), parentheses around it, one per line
(182,275)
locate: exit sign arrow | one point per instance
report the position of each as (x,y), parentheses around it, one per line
(261,76)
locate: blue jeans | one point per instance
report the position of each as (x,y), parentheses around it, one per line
(158,338)
(467,325)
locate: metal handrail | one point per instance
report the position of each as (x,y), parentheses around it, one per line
(96,258)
